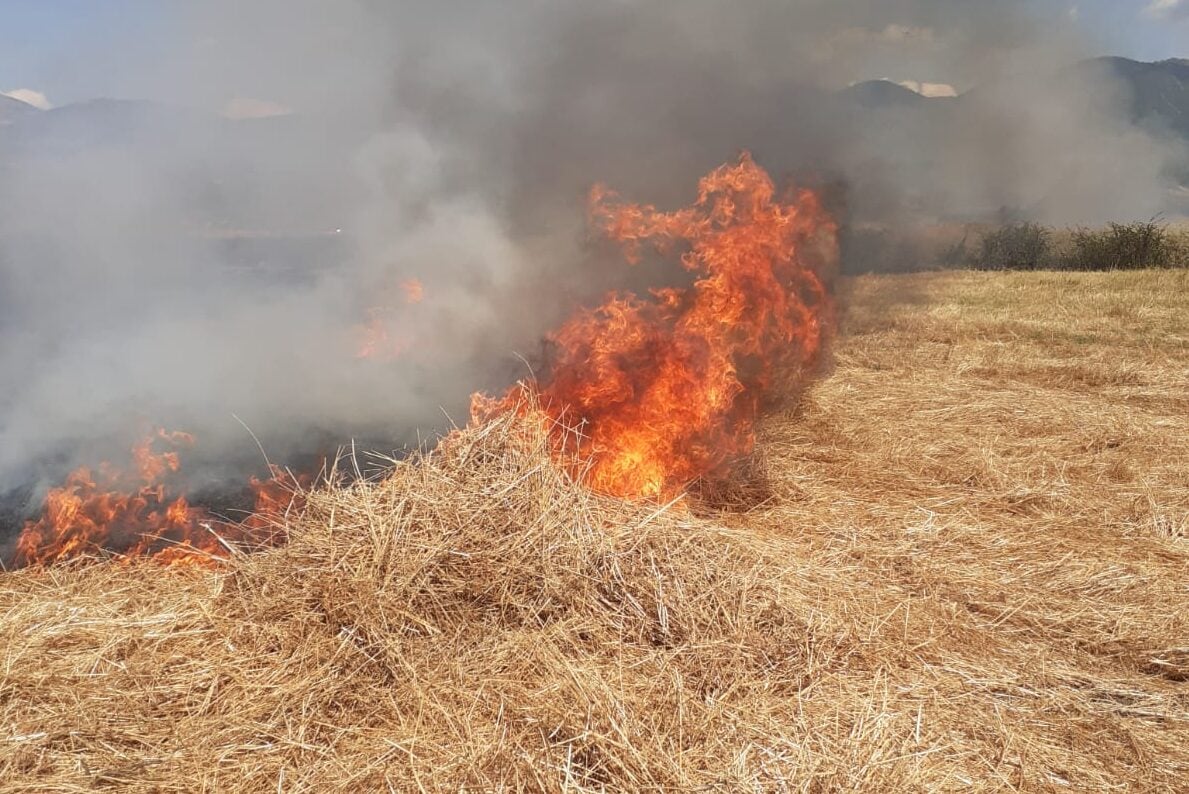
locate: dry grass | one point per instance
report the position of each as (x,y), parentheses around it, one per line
(971,571)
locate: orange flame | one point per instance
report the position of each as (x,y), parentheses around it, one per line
(414,290)
(376,341)
(274,497)
(129,512)
(668,387)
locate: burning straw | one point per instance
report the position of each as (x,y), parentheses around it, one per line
(478,620)
(971,574)
(668,385)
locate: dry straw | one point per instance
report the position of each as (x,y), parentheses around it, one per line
(968,570)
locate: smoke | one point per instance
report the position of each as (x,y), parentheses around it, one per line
(212,255)
(1167,9)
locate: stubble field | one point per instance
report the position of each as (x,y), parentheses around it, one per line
(960,560)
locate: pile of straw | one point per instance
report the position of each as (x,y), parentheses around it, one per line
(940,590)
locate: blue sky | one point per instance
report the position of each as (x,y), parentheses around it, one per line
(60,47)
(78,49)
(1147,30)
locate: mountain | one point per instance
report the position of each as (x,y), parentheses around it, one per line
(279,173)
(1157,93)
(881,94)
(142,126)
(297,171)
(12,110)
(100,123)
(1154,95)
(911,134)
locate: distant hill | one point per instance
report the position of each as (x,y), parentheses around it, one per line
(1158,92)
(290,172)
(296,171)
(99,122)
(142,126)
(12,110)
(882,94)
(909,132)
(1156,95)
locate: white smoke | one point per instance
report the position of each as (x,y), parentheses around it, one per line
(212,254)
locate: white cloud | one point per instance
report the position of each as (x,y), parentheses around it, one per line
(857,45)
(898,33)
(894,37)
(247,108)
(930,89)
(29,96)
(1167,9)
(894,34)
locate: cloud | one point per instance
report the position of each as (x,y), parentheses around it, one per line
(246,108)
(31,97)
(930,89)
(898,33)
(1168,9)
(895,37)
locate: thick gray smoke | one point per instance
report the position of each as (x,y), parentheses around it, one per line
(161,263)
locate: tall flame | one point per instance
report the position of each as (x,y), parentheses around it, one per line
(668,386)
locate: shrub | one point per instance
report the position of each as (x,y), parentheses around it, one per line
(1122,246)
(1180,249)
(1016,246)
(955,256)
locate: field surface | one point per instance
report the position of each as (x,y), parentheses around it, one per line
(959,561)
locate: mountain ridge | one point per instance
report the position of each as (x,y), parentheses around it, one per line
(1156,93)
(12,109)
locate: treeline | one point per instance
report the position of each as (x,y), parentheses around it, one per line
(1016,246)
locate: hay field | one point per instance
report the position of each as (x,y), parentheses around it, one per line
(964,565)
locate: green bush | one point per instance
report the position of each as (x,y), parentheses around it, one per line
(1016,246)
(1122,246)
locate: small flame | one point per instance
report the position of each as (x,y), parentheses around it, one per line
(377,337)
(130,512)
(375,340)
(668,387)
(414,291)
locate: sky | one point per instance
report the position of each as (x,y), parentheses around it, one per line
(65,49)
(54,52)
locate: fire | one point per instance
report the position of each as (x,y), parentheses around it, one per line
(374,339)
(665,387)
(668,386)
(131,512)
(377,340)
(273,498)
(413,290)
